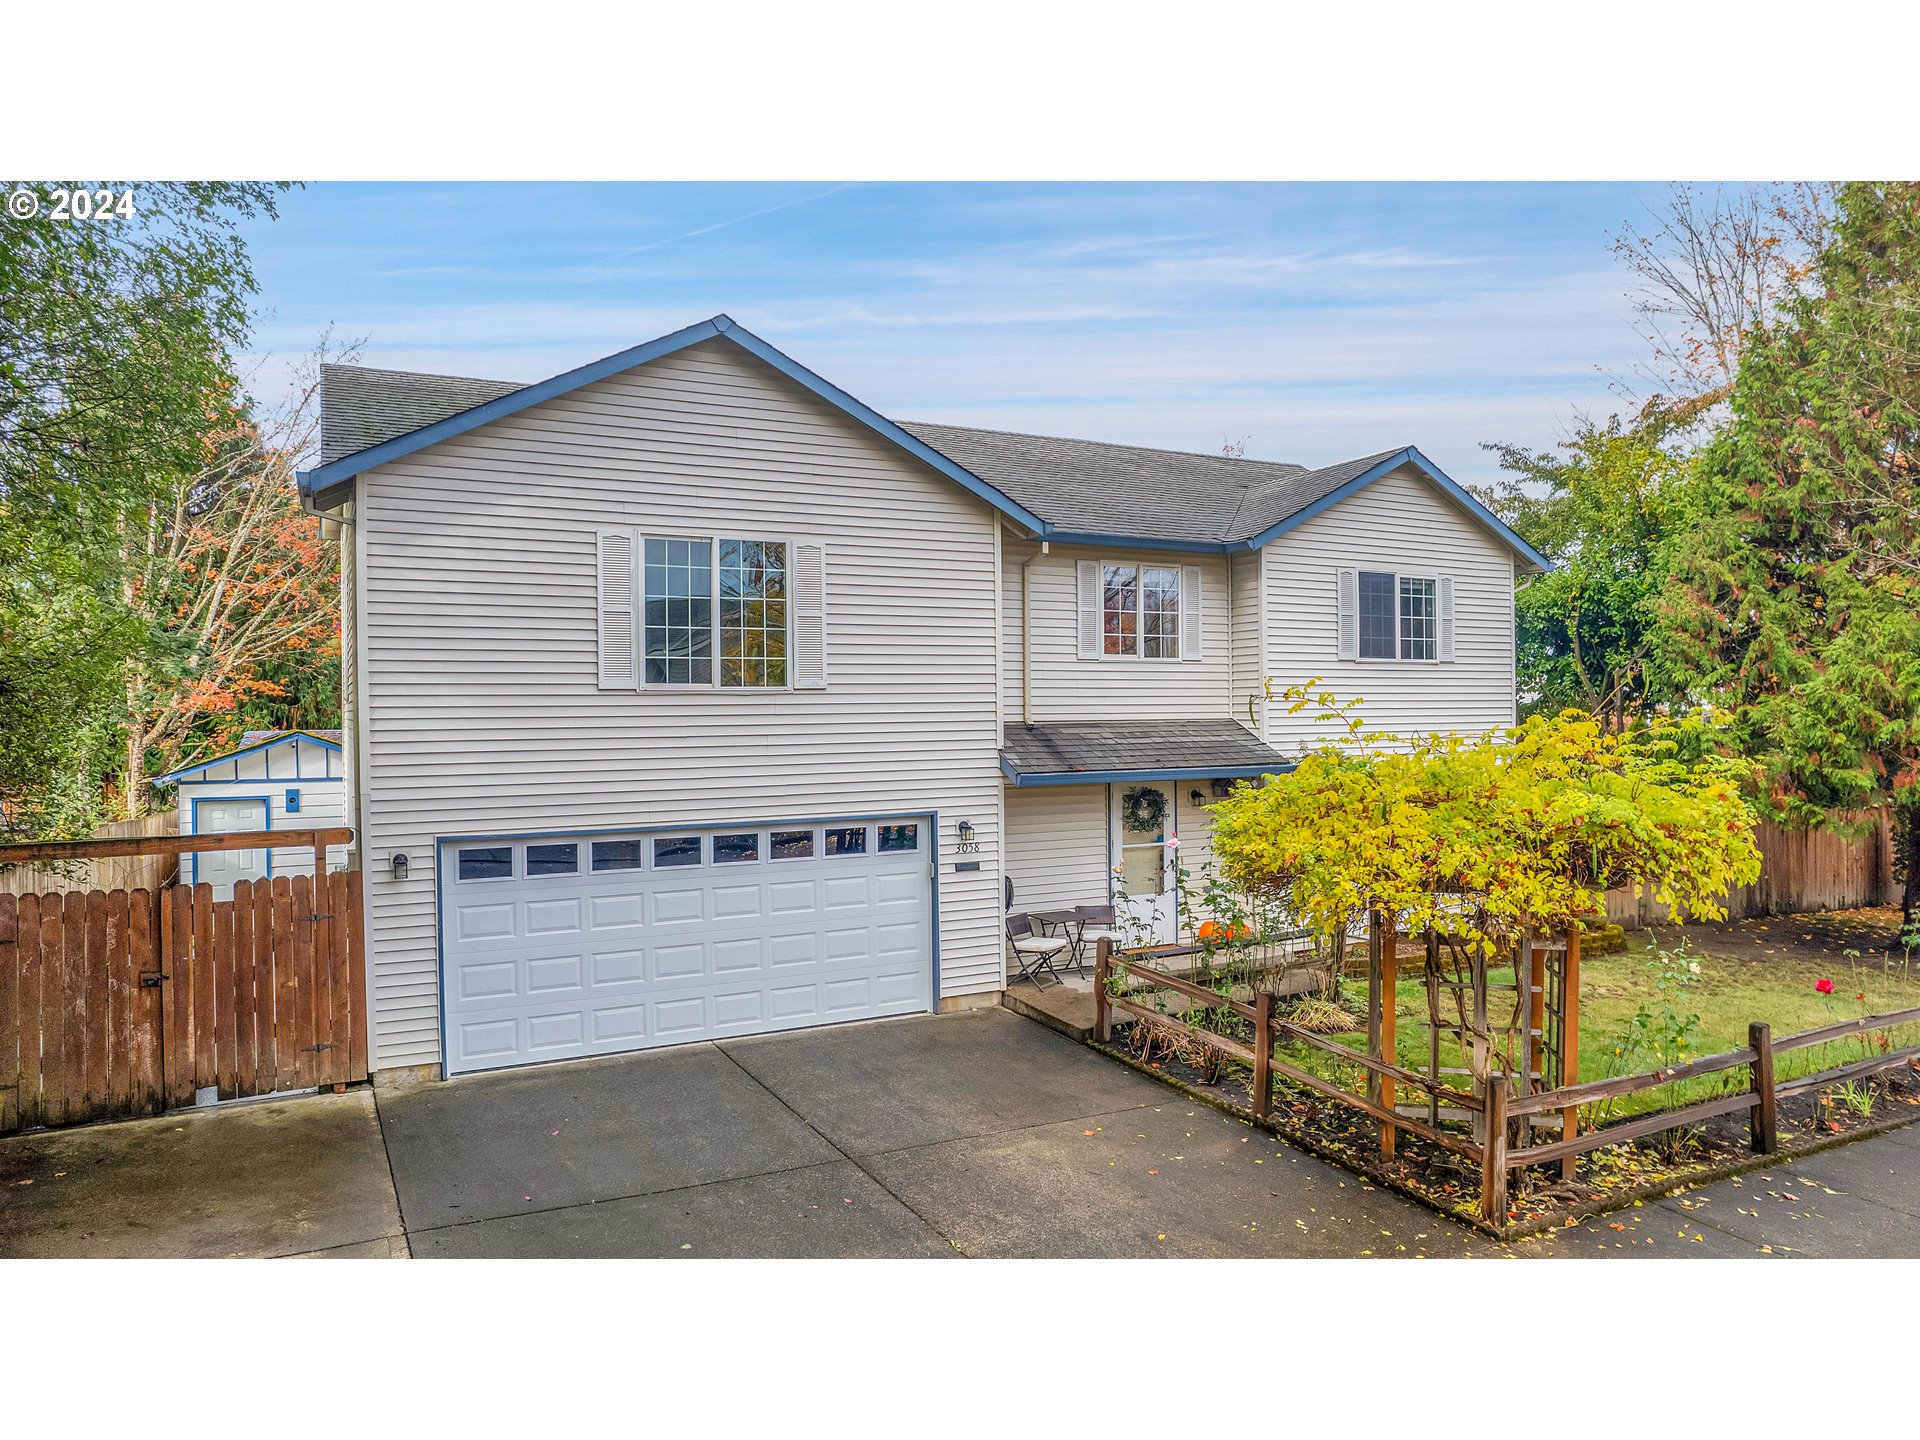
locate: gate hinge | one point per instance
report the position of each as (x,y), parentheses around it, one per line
(327,916)
(149,981)
(323,1045)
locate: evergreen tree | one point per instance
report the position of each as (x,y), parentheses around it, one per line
(1796,607)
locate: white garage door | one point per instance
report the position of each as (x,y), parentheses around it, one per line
(566,945)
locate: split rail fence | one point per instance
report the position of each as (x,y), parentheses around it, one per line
(131,1002)
(1497,1113)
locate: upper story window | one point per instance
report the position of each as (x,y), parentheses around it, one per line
(684,630)
(1388,616)
(730,612)
(1140,611)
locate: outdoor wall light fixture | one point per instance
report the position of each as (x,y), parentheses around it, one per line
(963,836)
(398,864)
(1199,800)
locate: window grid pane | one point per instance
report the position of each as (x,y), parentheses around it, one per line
(1160,614)
(1418,632)
(753,612)
(1120,609)
(1377,616)
(679,618)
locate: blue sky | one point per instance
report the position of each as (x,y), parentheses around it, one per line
(1319,322)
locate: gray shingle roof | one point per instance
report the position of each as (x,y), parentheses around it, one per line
(1207,748)
(361,407)
(1083,487)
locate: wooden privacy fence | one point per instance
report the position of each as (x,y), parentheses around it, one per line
(1496,1114)
(1800,870)
(145,870)
(130,1002)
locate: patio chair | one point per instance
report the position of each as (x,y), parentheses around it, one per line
(1097,923)
(1033,953)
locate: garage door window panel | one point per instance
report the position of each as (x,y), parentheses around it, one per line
(735,849)
(791,845)
(851,840)
(618,855)
(553,859)
(670,852)
(486,862)
(899,837)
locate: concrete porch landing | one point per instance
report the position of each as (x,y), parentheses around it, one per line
(1066,1007)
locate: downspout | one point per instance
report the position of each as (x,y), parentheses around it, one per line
(1026,634)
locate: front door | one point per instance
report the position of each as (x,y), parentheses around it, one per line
(221,868)
(1144,824)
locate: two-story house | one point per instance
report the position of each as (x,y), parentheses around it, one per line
(687,697)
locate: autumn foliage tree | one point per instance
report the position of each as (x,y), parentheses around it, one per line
(1489,838)
(238,586)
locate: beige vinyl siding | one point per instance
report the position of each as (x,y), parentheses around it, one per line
(480,640)
(1248,657)
(1401,522)
(1057,846)
(1066,687)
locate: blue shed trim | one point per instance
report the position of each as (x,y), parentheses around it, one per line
(326,485)
(1409,456)
(1112,777)
(289,738)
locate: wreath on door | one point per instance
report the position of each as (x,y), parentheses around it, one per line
(1144,811)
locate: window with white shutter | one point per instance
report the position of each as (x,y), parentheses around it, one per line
(1347,603)
(809,668)
(615,571)
(1087,578)
(1384,615)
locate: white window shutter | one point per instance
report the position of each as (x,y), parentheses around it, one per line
(1349,612)
(616,554)
(1191,614)
(1088,574)
(1443,602)
(809,668)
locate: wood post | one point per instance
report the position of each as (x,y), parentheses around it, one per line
(1262,1055)
(1570,1042)
(1381,974)
(1764,1117)
(1493,1153)
(1102,1012)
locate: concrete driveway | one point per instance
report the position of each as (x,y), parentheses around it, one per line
(977,1134)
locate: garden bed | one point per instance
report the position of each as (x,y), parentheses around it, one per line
(1604,1179)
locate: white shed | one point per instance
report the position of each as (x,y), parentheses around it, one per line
(276,780)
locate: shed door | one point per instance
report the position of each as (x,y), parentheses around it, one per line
(567,945)
(220,868)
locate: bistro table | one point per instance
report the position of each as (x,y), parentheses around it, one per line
(1071,924)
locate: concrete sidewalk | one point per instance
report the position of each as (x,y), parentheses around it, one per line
(977,1134)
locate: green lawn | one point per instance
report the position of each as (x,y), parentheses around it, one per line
(1729,993)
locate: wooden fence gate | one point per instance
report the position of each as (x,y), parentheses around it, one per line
(130,1002)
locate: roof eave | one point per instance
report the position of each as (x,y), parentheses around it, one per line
(1534,561)
(173,776)
(326,486)
(1031,779)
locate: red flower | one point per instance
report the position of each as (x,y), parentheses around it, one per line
(1861,996)
(1825,987)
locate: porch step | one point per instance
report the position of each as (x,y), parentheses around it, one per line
(1058,1007)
